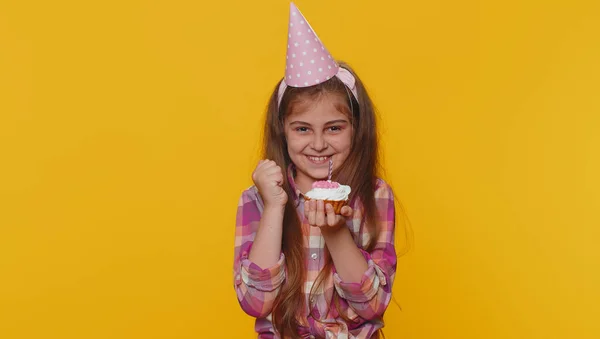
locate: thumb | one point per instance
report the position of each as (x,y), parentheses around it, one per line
(346,211)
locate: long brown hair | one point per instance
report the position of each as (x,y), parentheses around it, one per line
(360,171)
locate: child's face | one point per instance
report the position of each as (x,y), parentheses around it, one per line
(315,131)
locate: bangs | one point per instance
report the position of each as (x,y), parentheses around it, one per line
(299,99)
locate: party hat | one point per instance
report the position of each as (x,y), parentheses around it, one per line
(308,62)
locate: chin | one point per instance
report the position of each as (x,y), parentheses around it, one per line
(318,175)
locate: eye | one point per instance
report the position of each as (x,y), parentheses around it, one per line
(335,129)
(301,129)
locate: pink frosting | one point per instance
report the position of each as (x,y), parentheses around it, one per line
(325,184)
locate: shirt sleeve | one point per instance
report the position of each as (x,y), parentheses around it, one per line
(370,298)
(256,287)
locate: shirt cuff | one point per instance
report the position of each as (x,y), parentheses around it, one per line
(267,279)
(369,284)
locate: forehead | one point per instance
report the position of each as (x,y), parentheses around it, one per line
(319,109)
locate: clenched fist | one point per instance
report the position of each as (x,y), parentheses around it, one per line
(268,178)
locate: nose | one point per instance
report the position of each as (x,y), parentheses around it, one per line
(319,143)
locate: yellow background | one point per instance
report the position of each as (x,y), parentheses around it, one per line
(128,130)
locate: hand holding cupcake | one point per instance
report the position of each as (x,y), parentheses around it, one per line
(330,192)
(326,203)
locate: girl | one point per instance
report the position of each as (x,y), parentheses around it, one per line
(300,269)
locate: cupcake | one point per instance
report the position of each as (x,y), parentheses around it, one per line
(331,192)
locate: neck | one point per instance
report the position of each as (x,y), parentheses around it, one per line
(303,182)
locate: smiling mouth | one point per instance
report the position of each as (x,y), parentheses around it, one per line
(318,160)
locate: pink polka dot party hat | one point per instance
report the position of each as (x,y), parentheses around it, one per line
(308,62)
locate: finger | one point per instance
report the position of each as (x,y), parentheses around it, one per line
(346,211)
(306,208)
(330,215)
(312,212)
(262,173)
(320,218)
(261,163)
(270,163)
(258,166)
(270,170)
(274,175)
(278,178)
(262,167)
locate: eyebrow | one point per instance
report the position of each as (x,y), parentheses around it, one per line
(339,121)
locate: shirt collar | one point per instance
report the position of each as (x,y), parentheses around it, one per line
(297,193)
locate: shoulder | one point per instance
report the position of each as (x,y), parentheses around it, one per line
(383,190)
(250,196)
(250,206)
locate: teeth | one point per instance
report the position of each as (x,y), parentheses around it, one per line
(318,158)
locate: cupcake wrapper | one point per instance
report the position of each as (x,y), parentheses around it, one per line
(337,204)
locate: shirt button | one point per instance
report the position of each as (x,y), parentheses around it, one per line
(312,336)
(314,256)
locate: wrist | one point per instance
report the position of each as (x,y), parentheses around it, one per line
(331,233)
(274,209)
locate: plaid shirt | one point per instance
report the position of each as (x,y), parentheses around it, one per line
(363,302)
